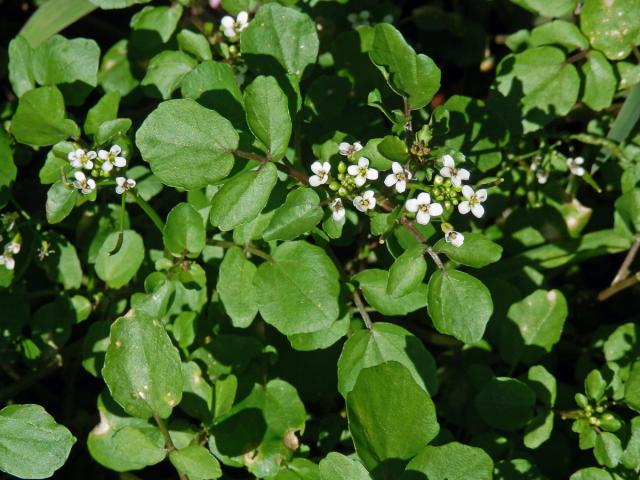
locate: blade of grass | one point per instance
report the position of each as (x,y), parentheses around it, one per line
(627,117)
(53,17)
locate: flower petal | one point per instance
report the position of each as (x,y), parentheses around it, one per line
(372,174)
(396,167)
(477,210)
(448,161)
(107,166)
(445,172)
(343,148)
(326,166)
(363,162)
(81,177)
(411,205)
(316,167)
(353,170)
(401,186)
(464,208)
(463,174)
(467,192)
(424,198)
(315,181)
(227,22)
(360,181)
(435,209)
(390,180)
(423,217)
(481,195)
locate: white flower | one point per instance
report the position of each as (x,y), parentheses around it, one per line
(454,238)
(365,202)
(112,158)
(81,159)
(473,201)
(575,166)
(321,171)
(12,248)
(542,176)
(338,211)
(449,170)
(423,208)
(399,177)
(84,184)
(232,27)
(123,184)
(347,149)
(362,172)
(7,261)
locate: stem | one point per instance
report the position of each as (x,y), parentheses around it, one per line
(618,287)
(247,248)
(289,170)
(251,156)
(623,271)
(408,127)
(148,209)
(357,299)
(576,56)
(168,442)
(420,238)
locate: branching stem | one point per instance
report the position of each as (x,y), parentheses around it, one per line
(247,248)
(167,441)
(357,299)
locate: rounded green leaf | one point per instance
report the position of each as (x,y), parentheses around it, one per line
(459,305)
(451,461)
(477,251)
(382,433)
(184,232)
(235,286)
(383,343)
(407,272)
(321,339)
(165,72)
(600,81)
(338,467)
(373,283)
(61,198)
(591,473)
(298,291)
(555,8)
(195,461)
(194,43)
(20,66)
(506,403)
(559,32)
(119,268)
(187,145)
(243,197)
(608,449)
(299,214)
(612,26)
(32,444)
(142,367)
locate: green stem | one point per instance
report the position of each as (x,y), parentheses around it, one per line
(167,441)
(148,209)
(248,248)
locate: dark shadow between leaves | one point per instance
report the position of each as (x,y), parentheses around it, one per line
(240,433)
(389,469)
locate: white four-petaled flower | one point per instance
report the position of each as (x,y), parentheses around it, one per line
(364,202)
(8,261)
(451,236)
(472,202)
(575,166)
(233,26)
(83,183)
(399,177)
(423,208)
(337,210)
(321,173)
(12,248)
(81,159)
(346,149)
(449,170)
(362,172)
(112,158)
(123,184)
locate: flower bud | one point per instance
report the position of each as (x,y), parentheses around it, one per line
(342,167)
(342,192)
(334,186)
(438,180)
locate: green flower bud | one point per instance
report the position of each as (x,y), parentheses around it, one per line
(343,191)
(334,185)
(438,180)
(342,167)
(447,205)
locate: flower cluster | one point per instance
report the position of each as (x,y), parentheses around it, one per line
(98,164)
(231,27)
(12,247)
(446,192)
(542,166)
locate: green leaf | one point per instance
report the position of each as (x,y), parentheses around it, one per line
(609,26)
(235,286)
(298,291)
(505,403)
(298,215)
(116,72)
(600,81)
(40,118)
(338,467)
(557,8)
(62,265)
(543,384)
(394,149)
(53,17)
(373,283)
(628,206)
(8,169)
(161,20)
(142,368)
(407,272)
(187,146)
(165,72)
(184,232)
(559,32)
(608,449)
(119,268)
(279,38)
(591,473)
(112,130)
(32,444)
(196,462)
(451,461)
(631,456)
(623,344)
(383,343)
(194,43)
(539,429)
(595,385)
(381,433)
(477,251)
(113,4)
(321,339)
(632,387)
(243,197)
(60,201)
(459,305)
(20,66)
(411,75)
(106,109)
(268,115)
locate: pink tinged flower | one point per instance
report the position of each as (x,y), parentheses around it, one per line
(321,173)
(367,201)
(575,166)
(347,149)
(362,172)
(123,184)
(449,170)
(423,208)
(399,177)
(473,201)
(85,184)
(337,210)
(214,3)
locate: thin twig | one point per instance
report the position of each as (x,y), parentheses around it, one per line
(420,238)
(408,127)
(618,287)
(357,299)
(623,271)
(251,156)
(168,442)
(148,209)
(289,170)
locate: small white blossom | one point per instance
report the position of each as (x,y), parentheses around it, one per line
(472,202)
(123,184)
(423,208)
(399,177)
(449,170)
(347,149)
(365,202)
(83,183)
(575,166)
(451,236)
(8,262)
(337,210)
(112,158)
(542,176)
(12,248)
(233,26)
(81,159)
(362,172)
(321,173)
